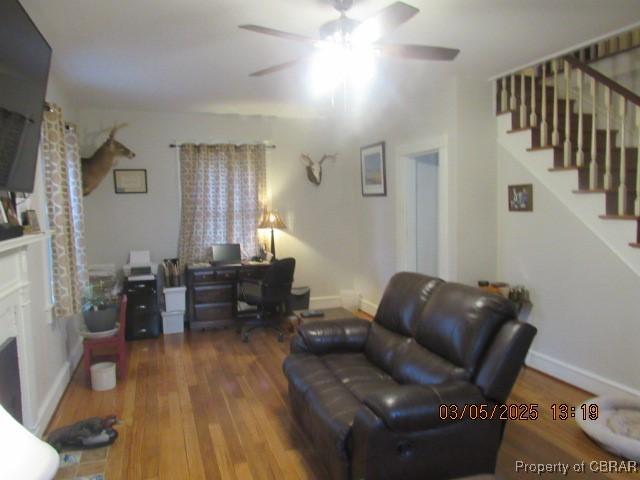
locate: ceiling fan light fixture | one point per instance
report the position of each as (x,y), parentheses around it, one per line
(339,61)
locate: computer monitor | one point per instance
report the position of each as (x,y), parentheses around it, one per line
(226,253)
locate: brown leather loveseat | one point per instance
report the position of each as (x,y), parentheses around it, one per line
(369,394)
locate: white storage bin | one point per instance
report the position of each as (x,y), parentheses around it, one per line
(174,299)
(103,376)
(172,322)
(350,299)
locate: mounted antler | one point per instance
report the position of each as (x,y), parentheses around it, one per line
(115,129)
(314,170)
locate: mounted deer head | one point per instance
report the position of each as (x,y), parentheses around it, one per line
(96,167)
(314,169)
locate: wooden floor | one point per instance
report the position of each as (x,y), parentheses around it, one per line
(204,405)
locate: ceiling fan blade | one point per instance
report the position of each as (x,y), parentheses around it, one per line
(418,52)
(275,68)
(384,21)
(278,33)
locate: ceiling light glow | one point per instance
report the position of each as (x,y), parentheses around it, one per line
(340,61)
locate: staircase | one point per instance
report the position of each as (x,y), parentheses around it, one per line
(581,132)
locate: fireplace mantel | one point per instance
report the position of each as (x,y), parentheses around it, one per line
(16,316)
(21,242)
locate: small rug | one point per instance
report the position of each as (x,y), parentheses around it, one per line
(83,464)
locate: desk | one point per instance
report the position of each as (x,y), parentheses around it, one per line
(212,293)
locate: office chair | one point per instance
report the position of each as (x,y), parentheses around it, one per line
(268,294)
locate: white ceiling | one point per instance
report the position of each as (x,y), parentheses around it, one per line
(189,55)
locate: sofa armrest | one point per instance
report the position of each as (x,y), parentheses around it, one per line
(417,407)
(326,336)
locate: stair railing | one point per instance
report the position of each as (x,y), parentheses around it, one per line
(513,98)
(625,96)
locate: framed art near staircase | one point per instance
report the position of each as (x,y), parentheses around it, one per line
(521,198)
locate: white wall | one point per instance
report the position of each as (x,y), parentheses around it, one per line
(320,232)
(584,297)
(459,111)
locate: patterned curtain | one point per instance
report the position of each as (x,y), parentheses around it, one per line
(223,189)
(63,185)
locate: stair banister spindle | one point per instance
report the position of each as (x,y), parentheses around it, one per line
(544,128)
(513,104)
(608,179)
(637,203)
(622,188)
(555,135)
(523,101)
(533,118)
(504,99)
(567,116)
(580,152)
(593,164)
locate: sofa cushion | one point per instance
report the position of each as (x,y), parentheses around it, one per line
(459,321)
(382,345)
(403,301)
(304,370)
(413,363)
(358,374)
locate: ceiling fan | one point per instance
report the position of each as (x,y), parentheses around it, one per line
(348,33)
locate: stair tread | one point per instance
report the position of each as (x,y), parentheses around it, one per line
(564,169)
(596,190)
(619,217)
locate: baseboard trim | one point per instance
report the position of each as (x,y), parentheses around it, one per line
(54,395)
(329,301)
(368,306)
(584,379)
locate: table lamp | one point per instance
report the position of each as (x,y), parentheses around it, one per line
(271,219)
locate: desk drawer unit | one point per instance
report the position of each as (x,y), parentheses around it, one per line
(212,293)
(213,312)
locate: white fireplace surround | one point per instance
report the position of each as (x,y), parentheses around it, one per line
(45,357)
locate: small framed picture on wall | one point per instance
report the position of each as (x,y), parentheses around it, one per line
(520,198)
(130,180)
(373,171)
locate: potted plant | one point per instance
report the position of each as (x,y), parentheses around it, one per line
(99,309)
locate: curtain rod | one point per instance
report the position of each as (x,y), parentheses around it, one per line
(178,145)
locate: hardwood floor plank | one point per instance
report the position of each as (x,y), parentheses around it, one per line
(205,405)
(227,470)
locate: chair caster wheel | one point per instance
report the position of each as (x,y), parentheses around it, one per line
(280,337)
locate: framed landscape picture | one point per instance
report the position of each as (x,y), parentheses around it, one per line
(372,170)
(130,180)
(521,198)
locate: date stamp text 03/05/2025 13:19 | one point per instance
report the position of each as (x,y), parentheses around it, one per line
(515,411)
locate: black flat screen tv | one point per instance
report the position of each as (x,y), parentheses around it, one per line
(24,70)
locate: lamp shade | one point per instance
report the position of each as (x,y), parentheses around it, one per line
(271,220)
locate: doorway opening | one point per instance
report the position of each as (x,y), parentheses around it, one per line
(426,211)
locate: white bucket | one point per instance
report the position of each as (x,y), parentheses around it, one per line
(103,376)
(174,299)
(350,299)
(172,322)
